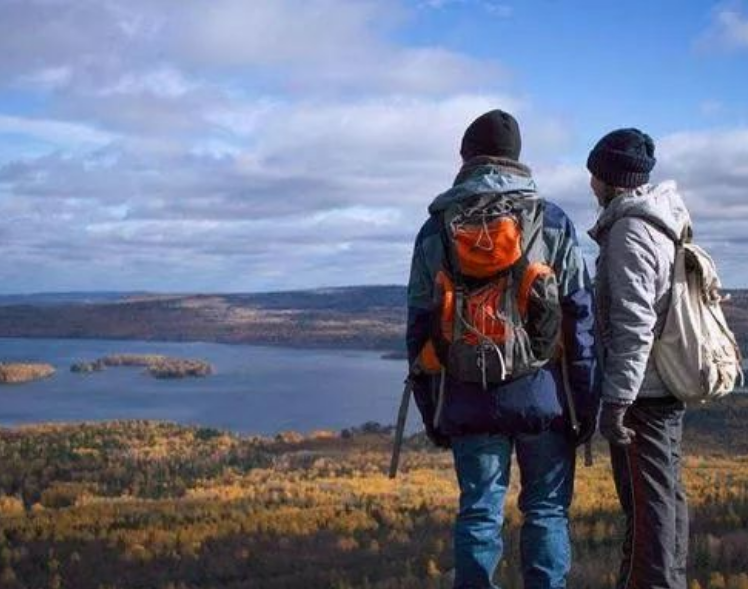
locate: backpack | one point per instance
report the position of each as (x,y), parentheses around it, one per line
(497,310)
(696,354)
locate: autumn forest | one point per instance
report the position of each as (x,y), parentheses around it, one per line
(131,505)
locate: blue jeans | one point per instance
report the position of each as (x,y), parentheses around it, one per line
(546,463)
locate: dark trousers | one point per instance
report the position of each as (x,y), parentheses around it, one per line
(647,474)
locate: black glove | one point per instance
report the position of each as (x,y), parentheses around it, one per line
(611,424)
(437,438)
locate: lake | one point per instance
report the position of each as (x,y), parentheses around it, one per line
(261,390)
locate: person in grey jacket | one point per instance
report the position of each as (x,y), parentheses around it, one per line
(637,229)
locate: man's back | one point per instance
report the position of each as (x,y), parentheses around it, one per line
(531,403)
(486,420)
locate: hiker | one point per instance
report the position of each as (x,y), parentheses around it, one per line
(498,287)
(637,229)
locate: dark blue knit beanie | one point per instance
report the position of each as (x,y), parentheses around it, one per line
(623,158)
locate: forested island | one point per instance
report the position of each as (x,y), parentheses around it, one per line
(157,365)
(20,372)
(143,504)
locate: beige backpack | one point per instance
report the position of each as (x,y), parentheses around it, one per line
(696,354)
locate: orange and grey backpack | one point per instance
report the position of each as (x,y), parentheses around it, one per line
(498,314)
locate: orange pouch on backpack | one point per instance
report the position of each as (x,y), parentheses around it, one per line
(485,249)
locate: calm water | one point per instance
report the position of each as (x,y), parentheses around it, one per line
(254,390)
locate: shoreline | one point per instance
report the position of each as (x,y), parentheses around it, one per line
(366,428)
(385,352)
(383,349)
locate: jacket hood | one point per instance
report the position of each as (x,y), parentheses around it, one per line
(659,204)
(483,175)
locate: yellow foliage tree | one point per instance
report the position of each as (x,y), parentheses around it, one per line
(717,581)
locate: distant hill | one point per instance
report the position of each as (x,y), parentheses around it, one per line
(718,428)
(64,298)
(357,317)
(736,310)
(368,317)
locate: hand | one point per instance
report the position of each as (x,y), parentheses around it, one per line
(611,424)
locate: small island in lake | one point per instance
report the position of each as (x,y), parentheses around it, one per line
(13,373)
(156,365)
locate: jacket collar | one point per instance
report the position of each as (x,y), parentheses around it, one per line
(483,164)
(483,175)
(661,205)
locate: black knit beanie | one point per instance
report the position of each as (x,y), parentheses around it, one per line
(623,158)
(495,133)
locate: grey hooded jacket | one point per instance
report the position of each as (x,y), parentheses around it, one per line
(636,233)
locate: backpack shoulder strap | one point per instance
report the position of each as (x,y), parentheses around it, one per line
(686,235)
(450,263)
(533,233)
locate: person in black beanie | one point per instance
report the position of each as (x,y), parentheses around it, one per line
(523,413)
(636,231)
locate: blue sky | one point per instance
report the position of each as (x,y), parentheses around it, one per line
(665,65)
(246,145)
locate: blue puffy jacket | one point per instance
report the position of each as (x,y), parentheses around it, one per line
(531,403)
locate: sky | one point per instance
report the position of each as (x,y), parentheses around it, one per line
(255,145)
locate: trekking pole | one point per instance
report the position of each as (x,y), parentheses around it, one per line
(402,416)
(572,409)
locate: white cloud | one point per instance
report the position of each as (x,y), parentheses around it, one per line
(712,169)
(282,45)
(164,82)
(319,45)
(338,187)
(50,78)
(238,145)
(227,33)
(77,35)
(149,72)
(308,156)
(492,7)
(383,138)
(710,108)
(499,9)
(728,30)
(61,133)
(331,209)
